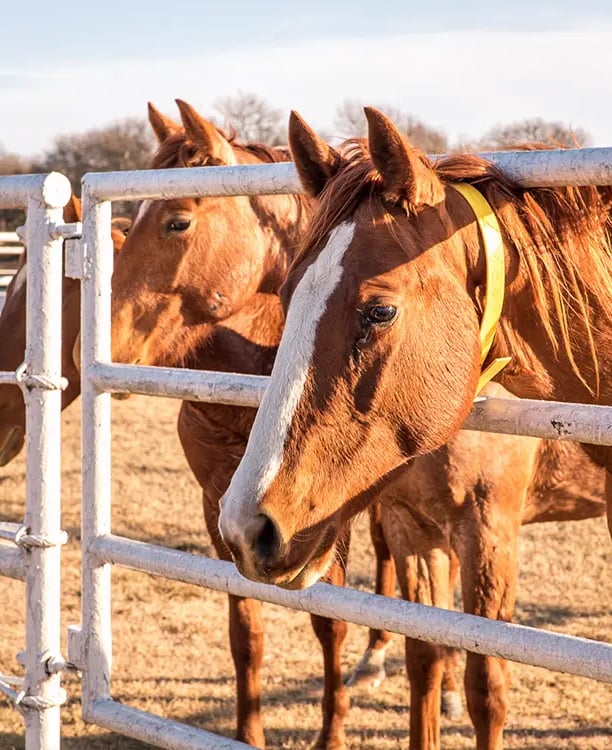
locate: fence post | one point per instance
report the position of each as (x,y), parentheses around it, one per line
(40,378)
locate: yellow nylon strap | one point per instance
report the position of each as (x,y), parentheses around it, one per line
(495,278)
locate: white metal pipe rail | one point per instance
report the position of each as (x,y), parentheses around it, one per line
(555,420)
(527,645)
(93,649)
(12,562)
(146,727)
(550,168)
(40,698)
(9,237)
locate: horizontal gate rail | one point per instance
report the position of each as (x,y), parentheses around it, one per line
(550,168)
(10,237)
(8,378)
(190,385)
(562,653)
(556,420)
(144,726)
(12,562)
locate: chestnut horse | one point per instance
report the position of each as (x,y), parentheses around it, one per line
(381,354)
(196,285)
(12,336)
(214,439)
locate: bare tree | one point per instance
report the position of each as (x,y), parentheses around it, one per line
(350,122)
(534,130)
(253,118)
(127,144)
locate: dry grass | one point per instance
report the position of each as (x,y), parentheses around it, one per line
(171,652)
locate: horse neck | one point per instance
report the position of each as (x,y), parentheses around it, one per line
(246,342)
(542,368)
(284,218)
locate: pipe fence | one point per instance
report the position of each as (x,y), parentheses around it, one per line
(91,645)
(30,551)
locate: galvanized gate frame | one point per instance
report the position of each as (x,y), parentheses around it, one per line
(90,645)
(37,557)
(34,552)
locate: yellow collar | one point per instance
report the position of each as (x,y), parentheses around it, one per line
(495,279)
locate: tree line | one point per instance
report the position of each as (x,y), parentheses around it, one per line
(129,143)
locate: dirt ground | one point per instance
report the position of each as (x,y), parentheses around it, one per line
(171,654)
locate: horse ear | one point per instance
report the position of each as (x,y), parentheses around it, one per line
(406,174)
(205,135)
(163,126)
(72,210)
(316,162)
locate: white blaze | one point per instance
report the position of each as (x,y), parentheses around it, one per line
(20,279)
(264,453)
(142,210)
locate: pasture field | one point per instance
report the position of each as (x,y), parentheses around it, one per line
(171,652)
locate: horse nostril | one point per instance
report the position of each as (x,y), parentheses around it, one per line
(267,541)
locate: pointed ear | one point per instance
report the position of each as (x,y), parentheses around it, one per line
(205,136)
(316,162)
(406,174)
(163,126)
(72,210)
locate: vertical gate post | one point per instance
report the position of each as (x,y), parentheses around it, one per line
(41,381)
(96,450)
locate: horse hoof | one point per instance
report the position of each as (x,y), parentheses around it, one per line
(255,739)
(451,705)
(370,672)
(337,742)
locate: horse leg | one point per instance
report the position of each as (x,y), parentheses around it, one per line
(371,668)
(331,635)
(452,703)
(247,645)
(423,572)
(488,577)
(608,492)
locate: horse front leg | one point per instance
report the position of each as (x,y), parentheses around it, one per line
(422,560)
(488,578)
(452,703)
(247,644)
(426,581)
(331,635)
(608,493)
(371,668)
(246,634)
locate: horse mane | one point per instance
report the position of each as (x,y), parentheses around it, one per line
(179,151)
(561,235)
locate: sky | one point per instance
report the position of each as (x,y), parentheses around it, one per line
(462,67)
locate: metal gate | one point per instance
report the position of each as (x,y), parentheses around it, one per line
(31,551)
(90,646)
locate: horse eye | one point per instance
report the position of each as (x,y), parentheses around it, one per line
(178,225)
(381,314)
